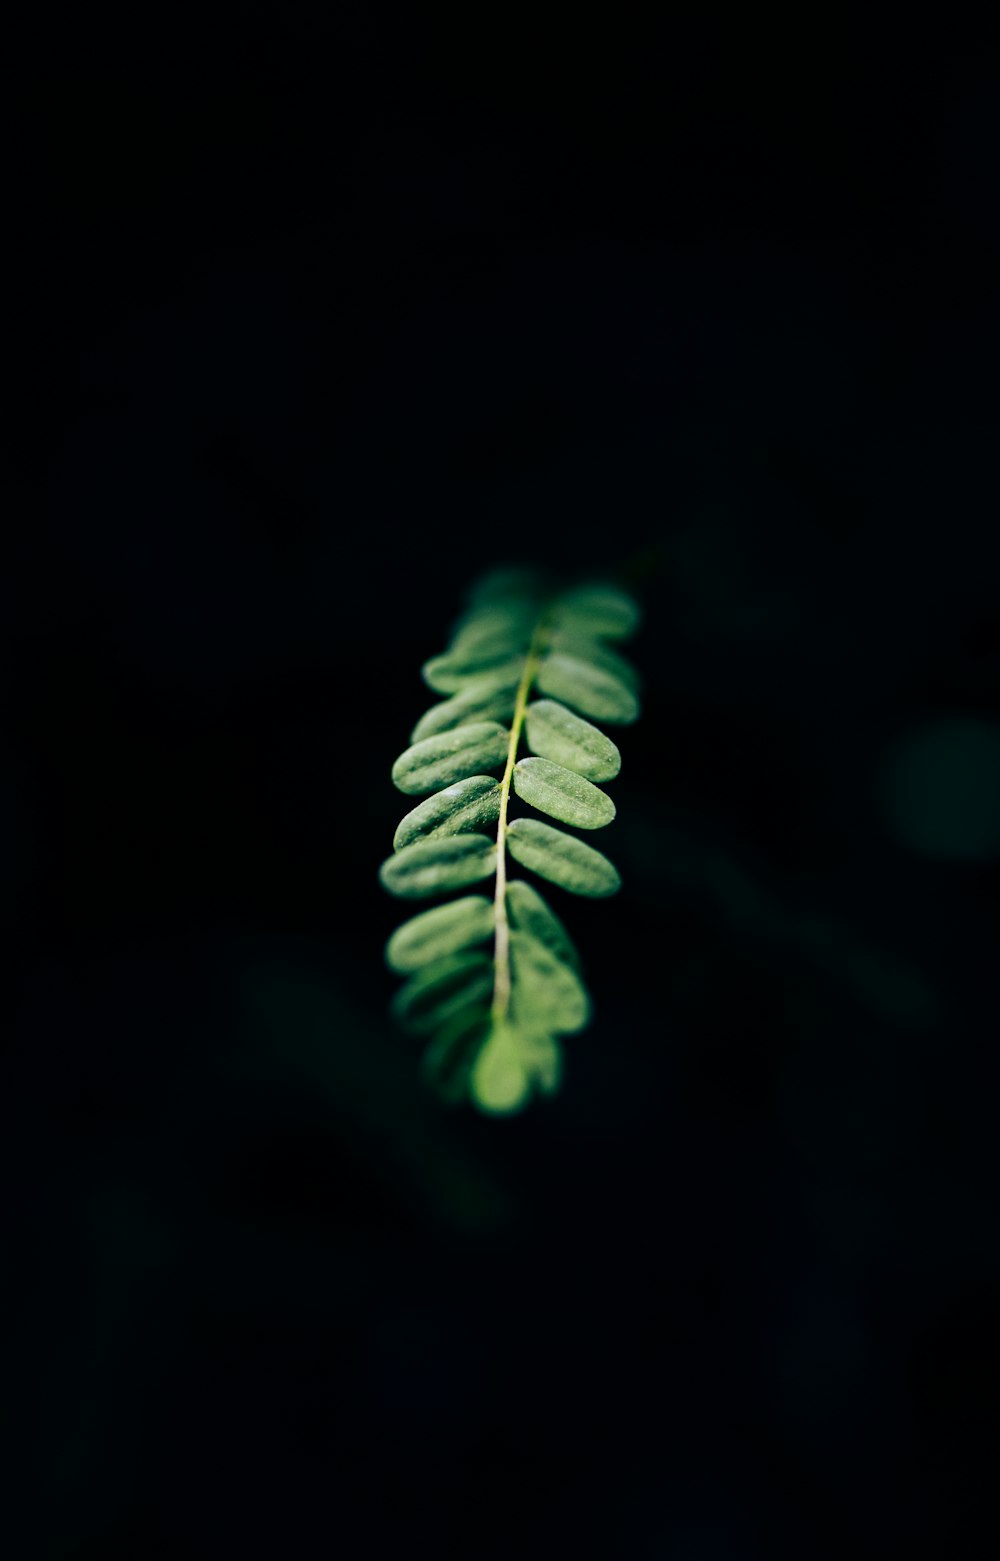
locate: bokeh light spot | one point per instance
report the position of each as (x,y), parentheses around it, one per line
(941,790)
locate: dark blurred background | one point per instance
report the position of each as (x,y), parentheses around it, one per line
(313,317)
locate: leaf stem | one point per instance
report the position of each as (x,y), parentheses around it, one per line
(501,946)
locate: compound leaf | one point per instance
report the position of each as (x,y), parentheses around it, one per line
(493,1017)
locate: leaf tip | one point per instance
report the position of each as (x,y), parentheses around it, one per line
(499,1083)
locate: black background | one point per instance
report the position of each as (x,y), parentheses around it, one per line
(314,318)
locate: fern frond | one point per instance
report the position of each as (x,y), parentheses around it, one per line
(494,1015)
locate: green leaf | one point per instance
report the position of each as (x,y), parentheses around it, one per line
(542,1056)
(466,805)
(449,674)
(479,648)
(437,865)
(527,912)
(513,1062)
(500,1082)
(451,1053)
(450,756)
(595,654)
(557,734)
(478,701)
(558,792)
(599,609)
(561,858)
(438,992)
(546,994)
(501,1062)
(507,624)
(443,930)
(587,688)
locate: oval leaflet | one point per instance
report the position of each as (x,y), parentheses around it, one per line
(556,733)
(465,805)
(562,858)
(478,701)
(442,990)
(437,865)
(444,930)
(590,689)
(528,912)
(450,756)
(557,791)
